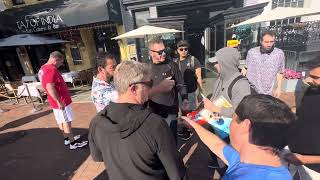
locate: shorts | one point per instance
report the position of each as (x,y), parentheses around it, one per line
(63,116)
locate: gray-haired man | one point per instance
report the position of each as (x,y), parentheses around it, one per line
(59,98)
(133,142)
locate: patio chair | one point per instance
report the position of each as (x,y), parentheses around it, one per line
(83,77)
(7,91)
(89,74)
(76,79)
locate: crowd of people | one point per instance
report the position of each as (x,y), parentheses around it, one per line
(139,106)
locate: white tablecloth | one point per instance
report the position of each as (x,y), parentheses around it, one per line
(69,76)
(34,89)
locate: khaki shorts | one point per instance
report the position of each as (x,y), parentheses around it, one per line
(63,116)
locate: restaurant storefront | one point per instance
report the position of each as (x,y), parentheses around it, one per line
(221,28)
(87,25)
(190,16)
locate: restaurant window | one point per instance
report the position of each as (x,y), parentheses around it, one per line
(17,2)
(102,37)
(287,3)
(76,56)
(141,18)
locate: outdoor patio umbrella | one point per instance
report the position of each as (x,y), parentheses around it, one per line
(145,31)
(280,13)
(28,40)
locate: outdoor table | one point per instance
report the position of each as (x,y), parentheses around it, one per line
(31,78)
(34,90)
(70,76)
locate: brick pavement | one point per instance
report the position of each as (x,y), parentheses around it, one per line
(33,141)
(31,146)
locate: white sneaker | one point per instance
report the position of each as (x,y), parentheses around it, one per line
(78,145)
(67,142)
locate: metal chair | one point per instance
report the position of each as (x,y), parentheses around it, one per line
(7,91)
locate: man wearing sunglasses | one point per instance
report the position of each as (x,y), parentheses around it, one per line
(168,83)
(305,132)
(190,68)
(132,141)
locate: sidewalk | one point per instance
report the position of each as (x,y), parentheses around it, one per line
(31,145)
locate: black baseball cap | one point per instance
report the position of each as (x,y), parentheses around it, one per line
(183,43)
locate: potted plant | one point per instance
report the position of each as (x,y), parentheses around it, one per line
(291,80)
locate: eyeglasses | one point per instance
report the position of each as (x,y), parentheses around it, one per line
(149,84)
(160,53)
(183,49)
(314,77)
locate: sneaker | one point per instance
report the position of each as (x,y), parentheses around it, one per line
(67,142)
(78,145)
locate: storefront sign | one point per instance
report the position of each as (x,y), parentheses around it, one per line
(40,21)
(53,15)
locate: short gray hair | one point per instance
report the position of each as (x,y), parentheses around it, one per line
(56,55)
(129,72)
(155,40)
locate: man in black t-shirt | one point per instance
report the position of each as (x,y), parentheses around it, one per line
(305,132)
(190,68)
(163,101)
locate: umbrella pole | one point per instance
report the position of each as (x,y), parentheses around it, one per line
(147,39)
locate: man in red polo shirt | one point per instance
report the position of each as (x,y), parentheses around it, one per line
(59,98)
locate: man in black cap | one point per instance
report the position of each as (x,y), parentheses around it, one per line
(190,68)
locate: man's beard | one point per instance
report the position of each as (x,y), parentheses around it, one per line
(266,51)
(313,85)
(109,78)
(313,88)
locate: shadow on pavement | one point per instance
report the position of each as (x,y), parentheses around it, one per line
(24,120)
(39,154)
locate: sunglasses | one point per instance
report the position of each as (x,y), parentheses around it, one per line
(160,53)
(149,84)
(314,77)
(183,49)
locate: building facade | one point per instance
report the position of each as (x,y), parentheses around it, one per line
(87,25)
(298,37)
(189,16)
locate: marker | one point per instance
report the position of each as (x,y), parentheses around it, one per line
(203,96)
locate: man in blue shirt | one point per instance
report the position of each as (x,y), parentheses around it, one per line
(257,134)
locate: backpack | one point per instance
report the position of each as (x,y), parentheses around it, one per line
(189,76)
(252,87)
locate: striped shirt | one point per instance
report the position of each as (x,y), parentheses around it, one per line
(263,68)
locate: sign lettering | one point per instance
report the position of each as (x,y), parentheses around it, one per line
(39,23)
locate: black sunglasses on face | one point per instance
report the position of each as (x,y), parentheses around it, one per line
(149,84)
(183,49)
(160,53)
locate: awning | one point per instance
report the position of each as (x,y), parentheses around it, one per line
(146,30)
(59,14)
(280,13)
(28,39)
